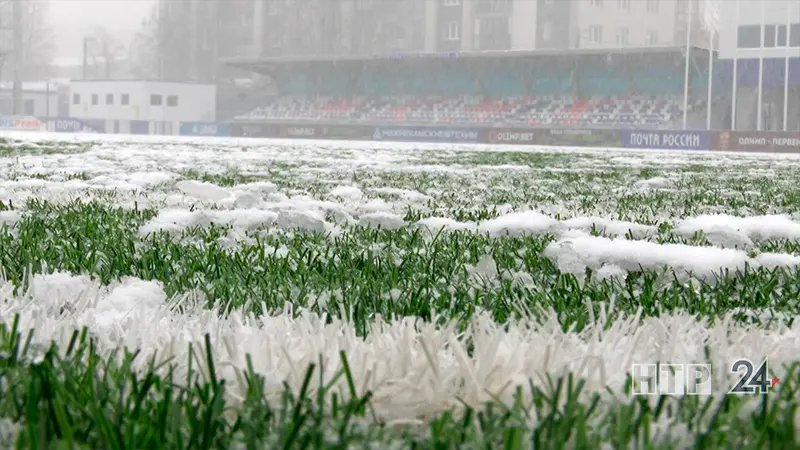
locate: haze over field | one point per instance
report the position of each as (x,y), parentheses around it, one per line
(73,19)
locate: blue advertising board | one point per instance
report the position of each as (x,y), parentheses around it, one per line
(666,139)
(27,123)
(205,129)
(139,127)
(72,125)
(428,134)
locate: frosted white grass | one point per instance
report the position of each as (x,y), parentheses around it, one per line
(416,370)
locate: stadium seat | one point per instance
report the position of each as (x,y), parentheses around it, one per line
(592,97)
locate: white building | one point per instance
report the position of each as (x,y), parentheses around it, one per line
(740,35)
(761,38)
(39,99)
(142,107)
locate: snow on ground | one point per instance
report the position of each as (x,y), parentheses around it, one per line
(415,370)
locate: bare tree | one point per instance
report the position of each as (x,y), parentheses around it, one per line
(109,48)
(145,49)
(38,40)
(164,46)
(37,37)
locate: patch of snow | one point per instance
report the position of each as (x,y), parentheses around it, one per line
(434,224)
(575,253)
(654,183)
(387,221)
(756,228)
(519,223)
(350,193)
(202,191)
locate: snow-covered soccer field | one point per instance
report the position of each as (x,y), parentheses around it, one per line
(453,296)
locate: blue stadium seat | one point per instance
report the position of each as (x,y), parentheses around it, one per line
(504,85)
(658,82)
(551,84)
(603,82)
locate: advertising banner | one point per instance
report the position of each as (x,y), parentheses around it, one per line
(578,137)
(428,134)
(347,132)
(72,125)
(512,136)
(301,131)
(755,141)
(20,123)
(98,125)
(263,130)
(139,127)
(666,139)
(217,129)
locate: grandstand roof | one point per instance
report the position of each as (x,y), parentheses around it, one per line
(260,64)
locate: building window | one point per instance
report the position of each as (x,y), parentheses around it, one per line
(596,34)
(76,99)
(781,36)
(453,31)
(452,2)
(155,100)
(29,108)
(652,6)
(109,99)
(622,36)
(769,36)
(273,8)
(246,19)
(95,99)
(749,36)
(547,31)
(651,38)
(125,99)
(794,35)
(598,3)
(172,100)
(624,4)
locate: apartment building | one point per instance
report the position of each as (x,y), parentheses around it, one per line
(199,32)
(341,27)
(759,67)
(743,37)
(579,24)
(293,28)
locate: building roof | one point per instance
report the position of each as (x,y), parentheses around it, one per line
(267,63)
(137,80)
(78,62)
(35,86)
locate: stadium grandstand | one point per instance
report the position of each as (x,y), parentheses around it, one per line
(641,88)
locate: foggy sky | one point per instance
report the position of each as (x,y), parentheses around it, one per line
(73,19)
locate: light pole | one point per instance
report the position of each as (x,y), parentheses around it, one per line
(86,41)
(47,104)
(18,58)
